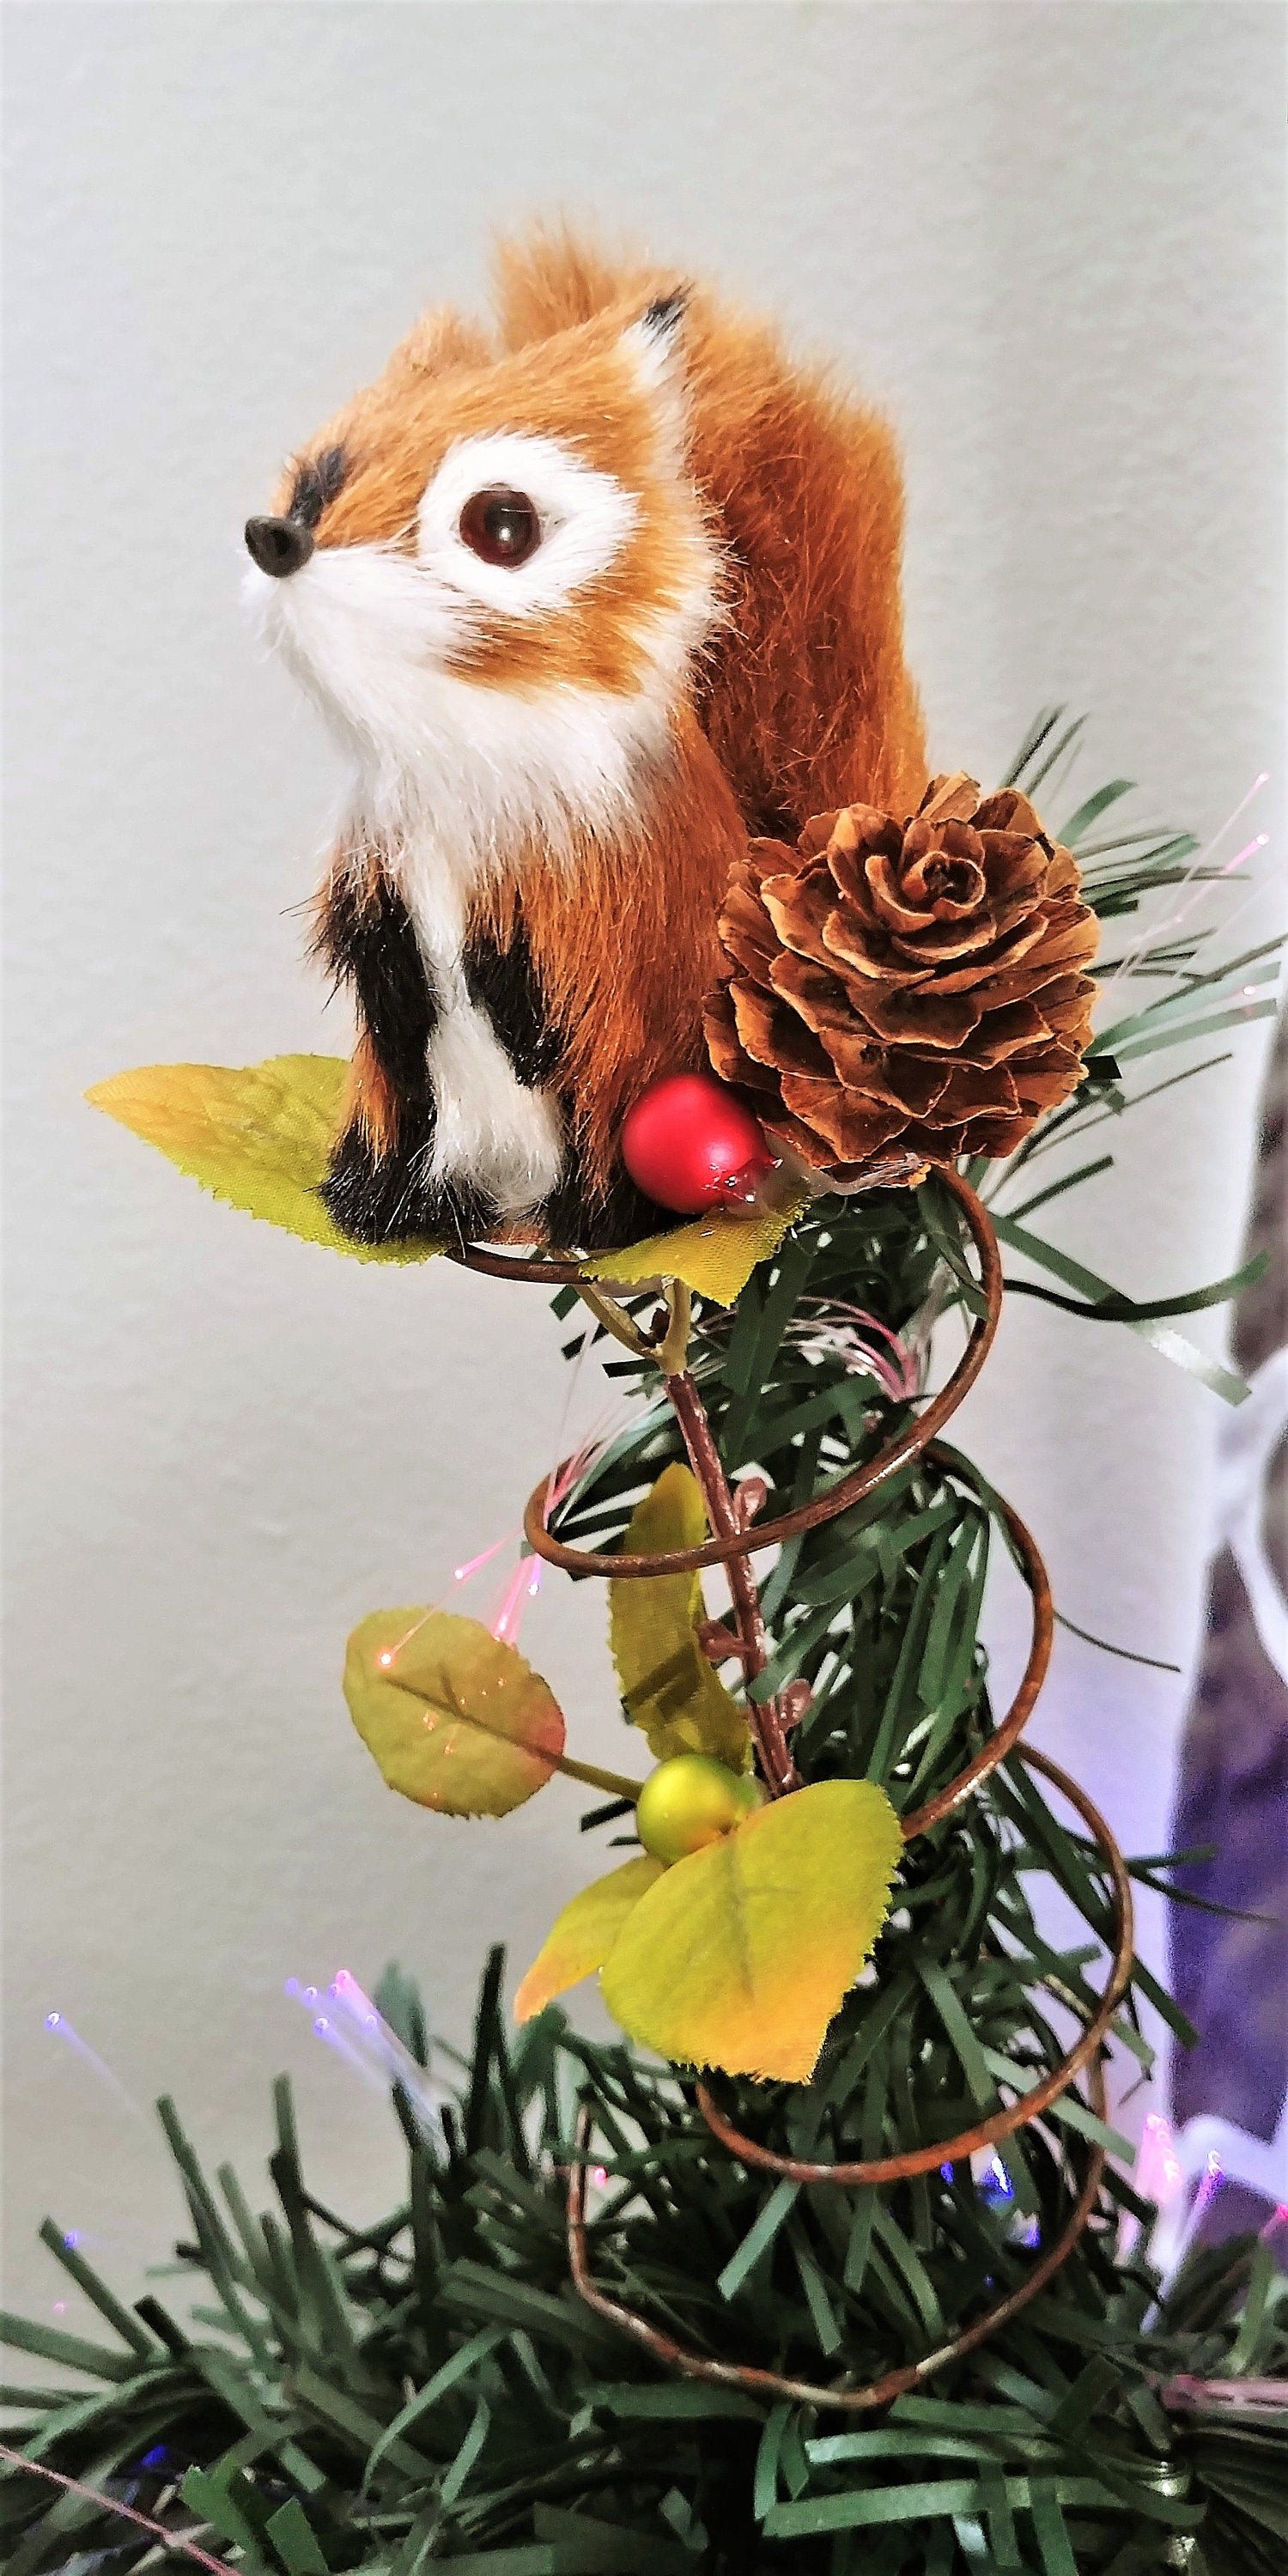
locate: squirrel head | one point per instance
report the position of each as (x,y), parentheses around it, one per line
(478,547)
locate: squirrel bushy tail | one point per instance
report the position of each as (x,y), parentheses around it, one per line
(804,694)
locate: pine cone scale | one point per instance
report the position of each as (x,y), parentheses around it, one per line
(901,993)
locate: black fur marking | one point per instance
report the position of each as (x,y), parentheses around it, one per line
(367,940)
(773,822)
(503,983)
(666,312)
(386,1198)
(317,481)
(375,1198)
(579,1219)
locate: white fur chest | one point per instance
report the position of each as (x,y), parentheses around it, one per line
(492,1132)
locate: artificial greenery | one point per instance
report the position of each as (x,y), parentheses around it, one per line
(431,2389)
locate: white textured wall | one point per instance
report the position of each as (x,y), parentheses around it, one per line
(1048,237)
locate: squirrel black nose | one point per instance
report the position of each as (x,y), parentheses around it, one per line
(279,546)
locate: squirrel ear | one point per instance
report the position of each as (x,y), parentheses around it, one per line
(656,339)
(655,343)
(439,340)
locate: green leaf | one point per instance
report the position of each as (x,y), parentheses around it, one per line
(739,1956)
(73,2352)
(259,1136)
(669,1687)
(423,2400)
(1173,1346)
(453,1718)
(63,2247)
(1079,824)
(1239,1015)
(288,2530)
(582,1936)
(758,2239)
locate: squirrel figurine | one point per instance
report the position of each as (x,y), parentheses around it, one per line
(588,601)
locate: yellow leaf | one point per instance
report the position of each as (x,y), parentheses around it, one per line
(668,1685)
(716,1254)
(740,1955)
(258,1136)
(453,1718)
(581,1937)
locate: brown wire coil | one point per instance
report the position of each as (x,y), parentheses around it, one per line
(733,1545)
(1030,2107)
(805,2392)
(622,1566)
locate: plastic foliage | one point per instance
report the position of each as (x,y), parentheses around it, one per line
(392,2393)
(317,2393)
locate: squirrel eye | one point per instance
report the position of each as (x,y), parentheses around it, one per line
(500,526)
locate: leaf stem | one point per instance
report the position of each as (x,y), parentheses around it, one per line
(613,1783)
(614,1320)
(673,1349)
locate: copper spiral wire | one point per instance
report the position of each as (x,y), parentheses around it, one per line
(732,1545)
(854,1488)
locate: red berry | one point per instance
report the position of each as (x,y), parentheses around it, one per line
(690,1144)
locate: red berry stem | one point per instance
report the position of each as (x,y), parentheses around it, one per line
(764,1717)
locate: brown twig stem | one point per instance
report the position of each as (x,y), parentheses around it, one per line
(764,1716)
(176,2541)
(733,1544)
(849,2399)
(615,1320)
(669,1349)
(621,1565)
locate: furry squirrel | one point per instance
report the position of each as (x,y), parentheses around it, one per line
(588,603)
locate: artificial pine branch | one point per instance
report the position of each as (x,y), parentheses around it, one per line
(431,2390)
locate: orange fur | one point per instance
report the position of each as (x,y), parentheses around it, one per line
(624,941)
(805,696)
(799,702)
(397,431)
(369,1100)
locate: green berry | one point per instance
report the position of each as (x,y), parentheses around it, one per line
(690,1801)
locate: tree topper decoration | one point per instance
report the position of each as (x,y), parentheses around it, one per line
(606,612)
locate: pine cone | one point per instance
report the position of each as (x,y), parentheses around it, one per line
(903,993)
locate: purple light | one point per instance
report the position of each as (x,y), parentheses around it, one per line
(354,2030)
(60,2027)
(1158,2168)
(1213,2177)
(995,2183)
